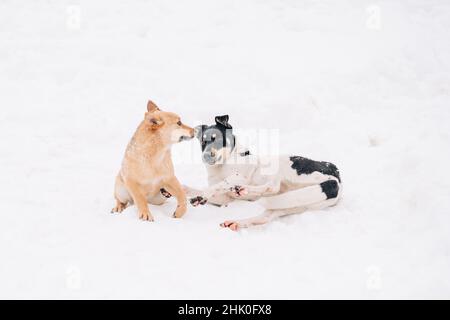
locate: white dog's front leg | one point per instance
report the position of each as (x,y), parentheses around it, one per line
(270,188)
(220,200)
(192,192)
(217,190)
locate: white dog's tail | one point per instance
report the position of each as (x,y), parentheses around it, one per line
(303,197)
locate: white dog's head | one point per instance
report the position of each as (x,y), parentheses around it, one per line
(217,141)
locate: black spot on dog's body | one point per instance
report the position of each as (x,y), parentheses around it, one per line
(308,166)
(244,154)
(330,188)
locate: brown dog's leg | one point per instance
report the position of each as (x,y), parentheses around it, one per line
(175,189)
(121,195)
(119,207)
(139,199)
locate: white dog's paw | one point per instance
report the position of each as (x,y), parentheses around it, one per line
(233,225)
(239,191)
(198,201)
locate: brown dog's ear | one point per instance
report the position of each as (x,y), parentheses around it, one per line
(151,106)
(155,122)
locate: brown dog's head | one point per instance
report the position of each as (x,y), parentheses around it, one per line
(168,124)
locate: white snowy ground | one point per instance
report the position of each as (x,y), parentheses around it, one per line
(363,84)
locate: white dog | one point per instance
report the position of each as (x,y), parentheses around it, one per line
(298,183)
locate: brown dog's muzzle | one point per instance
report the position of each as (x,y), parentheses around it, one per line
(185,138)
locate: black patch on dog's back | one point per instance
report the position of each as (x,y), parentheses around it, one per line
(330,188)
(308,166)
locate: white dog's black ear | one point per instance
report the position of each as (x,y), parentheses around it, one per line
(223,120)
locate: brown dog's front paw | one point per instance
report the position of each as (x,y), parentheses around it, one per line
(179,213)
(146,216)
(116,210)
(198,201)
(119,207)
(165,193)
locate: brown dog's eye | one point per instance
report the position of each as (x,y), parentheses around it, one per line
(179,123)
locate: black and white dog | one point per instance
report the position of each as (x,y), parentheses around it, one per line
(297,184)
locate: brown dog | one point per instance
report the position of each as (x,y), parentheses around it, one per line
(147,168)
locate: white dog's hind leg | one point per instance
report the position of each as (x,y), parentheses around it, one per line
(325,192)
(263,218)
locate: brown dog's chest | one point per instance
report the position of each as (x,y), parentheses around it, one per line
(143,170)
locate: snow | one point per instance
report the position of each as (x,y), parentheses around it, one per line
(363,84)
